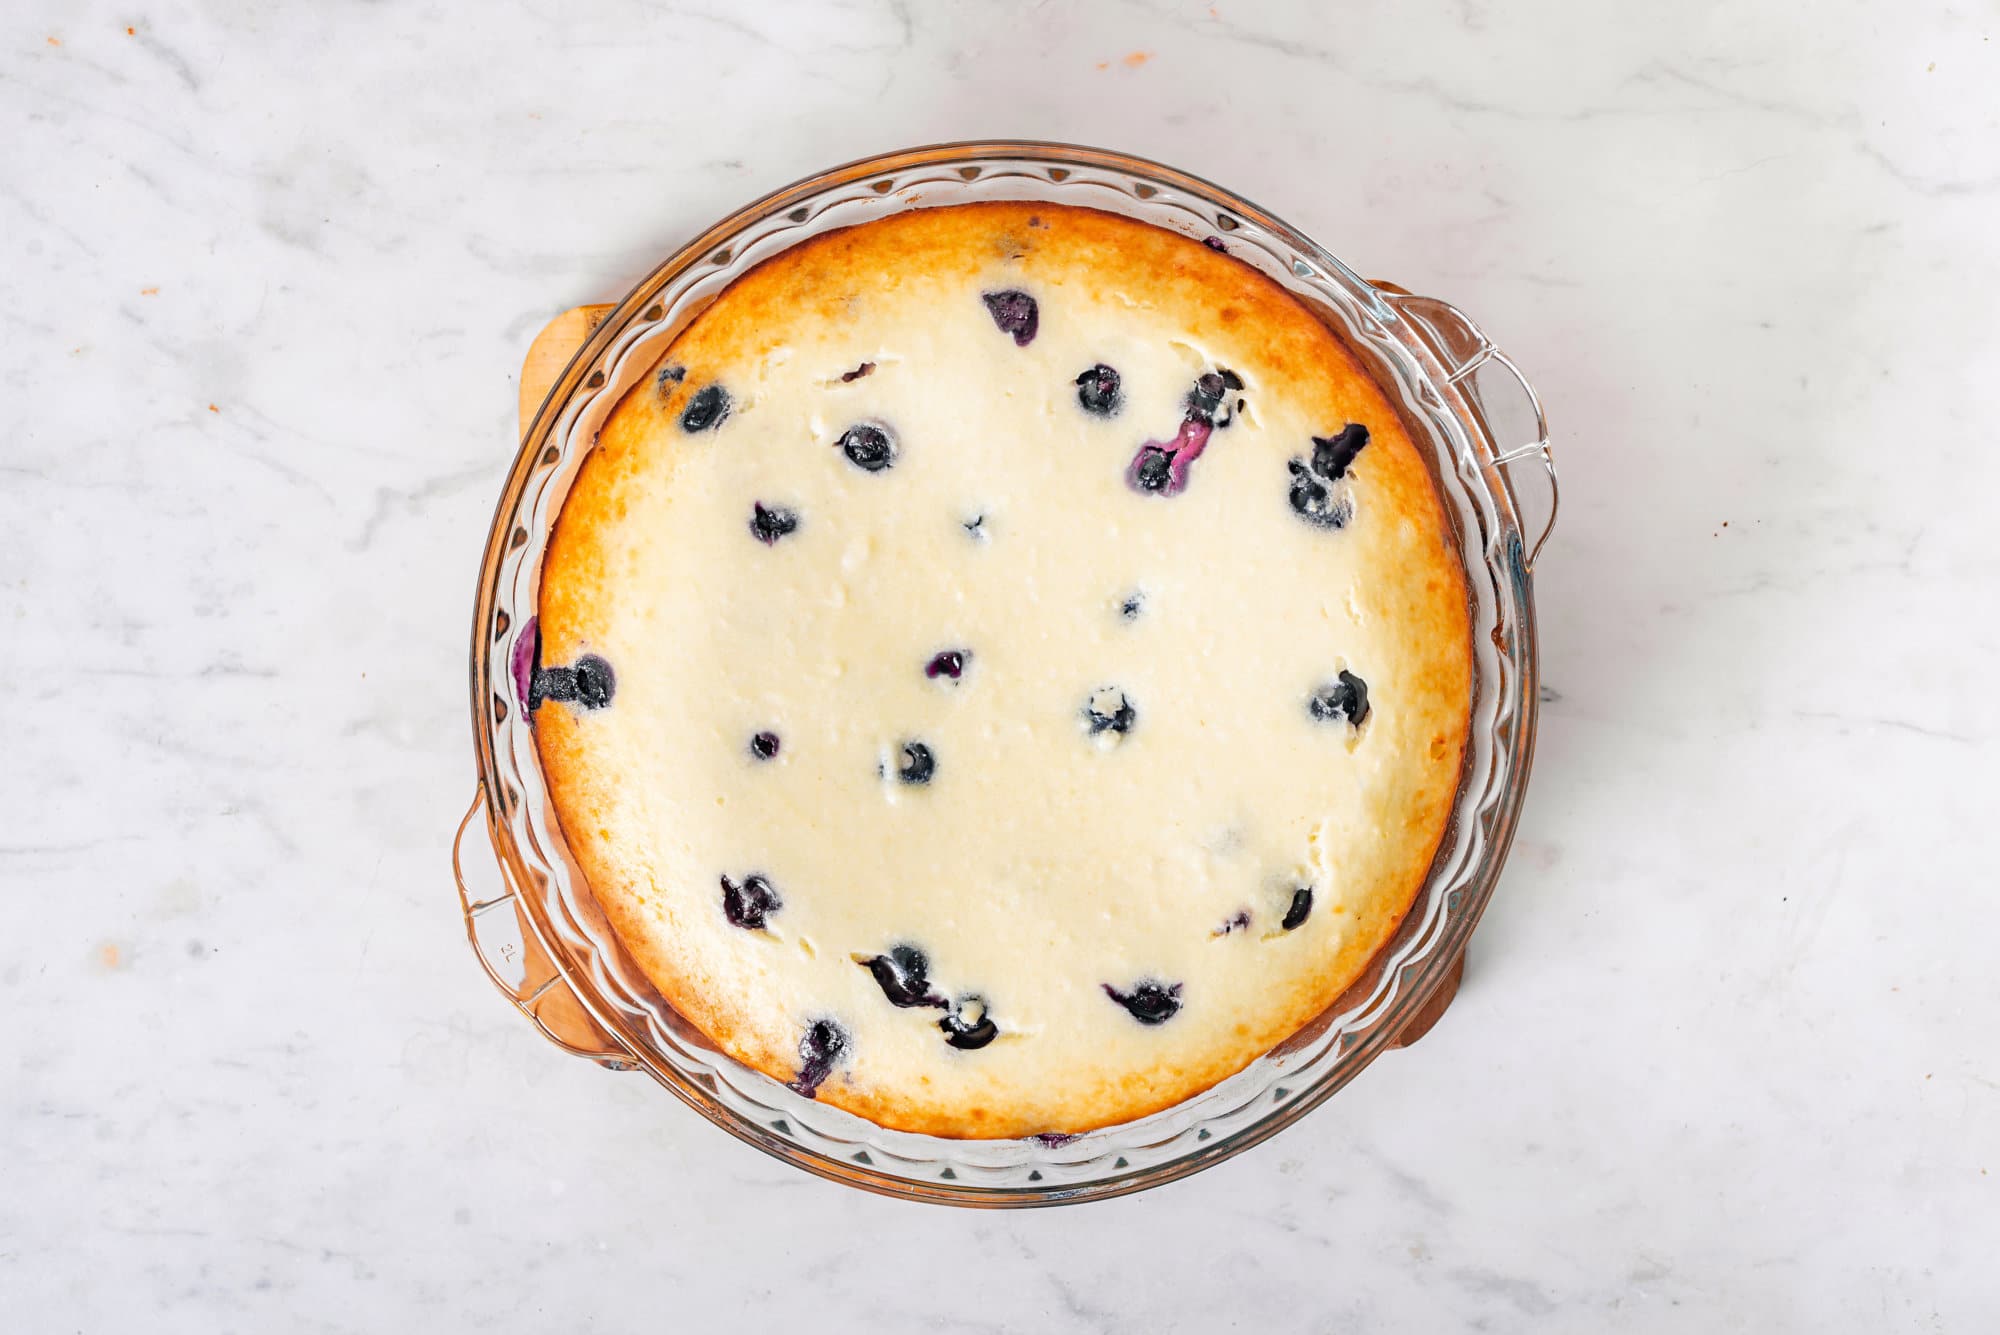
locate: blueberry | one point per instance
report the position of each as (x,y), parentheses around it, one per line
(764,746)
(1148,1002)
(1211,390)
(594,682)
(1097,390)
(1314,502)
(1129,609)
(918,764)
(1331,456)
(868,447)
(1239,923)
(1345,699)
(590,683)
(706,409)
(849,377)
(1300,910)
(1153,470)
(1215,243)
(1101,713)
(950,663)
(768,524)
(822,1046)
(1054,1140)
(750,904)
(904,977)
(976,526)
(669,377)
(969,1034)
(1015,313)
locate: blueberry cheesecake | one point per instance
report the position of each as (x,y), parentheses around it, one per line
(1003,670)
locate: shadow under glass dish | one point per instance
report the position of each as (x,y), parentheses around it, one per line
(540,934)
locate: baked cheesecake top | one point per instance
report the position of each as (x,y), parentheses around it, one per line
(1003,670)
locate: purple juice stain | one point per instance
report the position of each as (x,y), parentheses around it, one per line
(1054,1140)
(1160,468)
(527,652)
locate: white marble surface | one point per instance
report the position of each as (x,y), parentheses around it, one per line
(1726,1057)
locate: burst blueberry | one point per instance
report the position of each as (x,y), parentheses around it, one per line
(1332,455)
(769,523)
(1148,1002)
(706,409)
(918,764)
(589,682)
(821,1048)
(1162,467)
(1097,390)
(1344,699)
(554,683)
(1314,501)
(595,682)
(969,1026)
(750,904)
(1153,470)
(868,447)
(849,377)
(1108,710)
(904,977)
(765,746)
(1210,394)
(950,663)
(1015,313)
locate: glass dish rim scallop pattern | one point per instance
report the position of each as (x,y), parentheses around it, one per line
(1421,350)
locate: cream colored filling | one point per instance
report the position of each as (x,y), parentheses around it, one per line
(1042,860)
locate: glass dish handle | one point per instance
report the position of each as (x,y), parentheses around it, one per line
(1464,350)
(514,958)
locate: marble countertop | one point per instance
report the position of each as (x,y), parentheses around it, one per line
(1724,1059)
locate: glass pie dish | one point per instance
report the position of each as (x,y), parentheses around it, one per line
(529,912)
